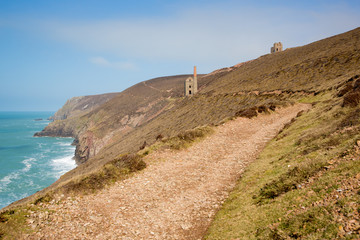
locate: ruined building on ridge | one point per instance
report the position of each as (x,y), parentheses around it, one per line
(191,86)
(278,47)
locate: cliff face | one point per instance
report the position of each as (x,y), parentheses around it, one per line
(94,120)
(311,68)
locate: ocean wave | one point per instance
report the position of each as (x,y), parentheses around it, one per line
(62,165)
(28,163)
(40,145)
(63,144)
(7,180)
(42,123)
(70,150)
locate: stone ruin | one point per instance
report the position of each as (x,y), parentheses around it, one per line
(278,47)
(191,86)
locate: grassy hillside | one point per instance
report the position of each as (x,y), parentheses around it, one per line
(314,67)
(119,115)
(305,184)
(225,94)
(280,194)
(109,113)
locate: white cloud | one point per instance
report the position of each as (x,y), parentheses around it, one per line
(118,65)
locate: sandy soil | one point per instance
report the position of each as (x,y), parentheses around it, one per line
(175,197)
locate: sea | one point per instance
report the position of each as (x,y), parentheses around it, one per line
(29,164)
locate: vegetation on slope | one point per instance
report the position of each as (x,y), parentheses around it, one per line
(305,184)
(223,95)
(13,223)
(301,152)
(124,165)
(312,68)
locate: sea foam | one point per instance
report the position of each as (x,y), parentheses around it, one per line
(5,181)
(28,163)
(63,165)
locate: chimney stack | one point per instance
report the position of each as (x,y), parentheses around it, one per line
(195,81)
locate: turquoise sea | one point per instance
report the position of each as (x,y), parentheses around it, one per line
(29,164)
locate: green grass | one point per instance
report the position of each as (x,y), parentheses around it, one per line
(182,140)
(13,223)
(115,170)
(274,198)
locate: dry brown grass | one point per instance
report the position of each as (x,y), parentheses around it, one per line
(326,64)
(117,169)
(314,67)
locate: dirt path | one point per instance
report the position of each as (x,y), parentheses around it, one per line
(176,196)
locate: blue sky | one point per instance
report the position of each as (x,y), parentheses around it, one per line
(52,50)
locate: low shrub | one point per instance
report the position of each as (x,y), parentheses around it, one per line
(351,99)
(159,137)
(263,109)
(288,181)
(348,87)
(43,199)
(183,139)
(351,119)
(115,170)
(272,107)
(143,146)
(247,113)
(314,223)
(3,218)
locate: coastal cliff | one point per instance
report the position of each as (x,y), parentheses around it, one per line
(94,120)
(301,182)
(111,124)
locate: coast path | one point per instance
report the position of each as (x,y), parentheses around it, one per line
(175,197)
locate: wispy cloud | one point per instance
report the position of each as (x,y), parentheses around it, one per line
(213,34)
(117,65)
(204,34)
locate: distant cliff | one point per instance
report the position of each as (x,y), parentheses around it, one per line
(94,120)
(80,105)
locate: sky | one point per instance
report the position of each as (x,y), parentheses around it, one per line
(52,50)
